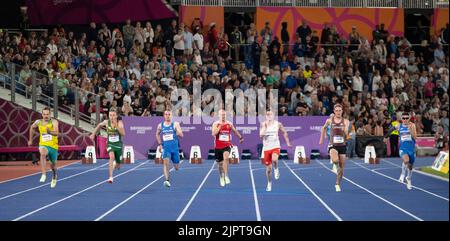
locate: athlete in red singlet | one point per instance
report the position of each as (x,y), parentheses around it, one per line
(221,130)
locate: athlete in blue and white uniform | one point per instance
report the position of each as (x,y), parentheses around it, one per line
(170,132)
(408,135)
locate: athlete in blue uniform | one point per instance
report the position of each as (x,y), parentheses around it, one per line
(407,133)
(170,132)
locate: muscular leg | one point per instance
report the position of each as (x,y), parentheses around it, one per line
(43,158)
(405,164)
(112,158)
(341,169)
(269,173)
(225,163)
(166,168)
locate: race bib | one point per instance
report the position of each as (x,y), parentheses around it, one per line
(406,138)
(167,137)
(338,139)
(113,138)
(47,137)
(224,137)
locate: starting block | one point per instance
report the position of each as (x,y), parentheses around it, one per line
(89,156)
(300,155)
(370,156)
(128,155)
(158,156)
(195,156)
(234,155)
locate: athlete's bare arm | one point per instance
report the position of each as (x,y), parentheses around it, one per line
(158,133)
(178,129)
(215,128)
(262,129)
(55,131)
(346,124)
(121,128)
(412,130)
(241,139)
(100,125)
(323,130)
(31,133)
(285,134)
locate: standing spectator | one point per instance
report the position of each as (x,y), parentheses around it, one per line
(128,34)
(169,34)
(383,33)
(92,32)
(236,42)
(376,35)
(198,40)
(178,47)
(160,103)
(127,110)
(393,138)
(303,31)
(188,38)
(213,36)
(149,34)
(222,44)
(326,32)
(285,38)
(139,34)
(354,38)
(266,34)
(439,57)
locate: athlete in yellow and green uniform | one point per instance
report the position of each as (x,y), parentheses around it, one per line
(48,143)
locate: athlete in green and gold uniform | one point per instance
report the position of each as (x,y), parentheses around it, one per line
(115,131)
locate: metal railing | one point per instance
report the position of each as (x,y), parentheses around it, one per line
(421,4)
(44,90)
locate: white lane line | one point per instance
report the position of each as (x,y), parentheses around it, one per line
(255,195)
(396,180)
(32,174)
(377,196)
(132,196)
(315,195)
(418,171)
(195,194)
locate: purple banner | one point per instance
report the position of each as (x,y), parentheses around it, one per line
(50,12)
(305,131)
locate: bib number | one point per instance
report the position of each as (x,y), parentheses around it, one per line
(47,137)
(406,138)
(224,137)
(167,137)
(338,139)
(114,138)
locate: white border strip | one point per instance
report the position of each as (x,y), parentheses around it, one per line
(84,190)
(59,180)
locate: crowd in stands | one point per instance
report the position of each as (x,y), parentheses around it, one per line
(136,67)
